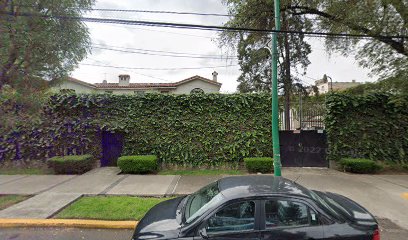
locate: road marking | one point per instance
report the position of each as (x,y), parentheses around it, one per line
(405,195)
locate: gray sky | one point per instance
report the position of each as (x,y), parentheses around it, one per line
(193,42)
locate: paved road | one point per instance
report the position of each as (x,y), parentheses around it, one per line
(386,196)
(390,231)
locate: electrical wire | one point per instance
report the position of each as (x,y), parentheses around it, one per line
(156,69)
(206,27)
(165,55)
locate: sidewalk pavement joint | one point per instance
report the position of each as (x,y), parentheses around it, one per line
(58,184)
(14,179)
(172,187)
(114,184)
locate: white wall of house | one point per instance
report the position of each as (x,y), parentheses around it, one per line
(184,88)
(78,88)
(187,87)
(127,91)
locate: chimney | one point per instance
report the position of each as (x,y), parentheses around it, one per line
(104,81)
(353,80)
(214,74)
(124,80)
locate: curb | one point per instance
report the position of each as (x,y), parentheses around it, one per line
(72,223)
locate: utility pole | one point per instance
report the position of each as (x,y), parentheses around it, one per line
(275,110)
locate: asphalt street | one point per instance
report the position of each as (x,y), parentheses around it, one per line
(389,231)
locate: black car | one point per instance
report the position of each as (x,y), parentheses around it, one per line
(258,207)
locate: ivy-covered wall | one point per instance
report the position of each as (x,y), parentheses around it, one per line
(208,129)
(374,126)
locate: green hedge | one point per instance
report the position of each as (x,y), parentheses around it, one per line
(359,165)
(138,164)
(73,164)
(372,126)
(259,164)
(185,130)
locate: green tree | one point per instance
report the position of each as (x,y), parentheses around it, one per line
(36,47)
(397,84)
(377,18)
(254,58)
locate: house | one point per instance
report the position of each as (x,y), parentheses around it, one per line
(124,86)
(324,85)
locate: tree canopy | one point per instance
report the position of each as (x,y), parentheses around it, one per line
(34,49)
(32,46)
(253,56)
(385,56)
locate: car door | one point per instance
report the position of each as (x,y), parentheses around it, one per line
(237,220)
(283,219)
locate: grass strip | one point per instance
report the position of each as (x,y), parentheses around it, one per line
(109,208)
(9,200)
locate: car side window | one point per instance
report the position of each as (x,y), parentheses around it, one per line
(280,213)
(233,218)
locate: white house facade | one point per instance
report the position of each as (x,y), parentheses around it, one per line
(124,86)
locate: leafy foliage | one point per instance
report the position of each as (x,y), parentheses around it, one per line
(371,126)
(32,46)
(187,130)
(377,18)
(74,164)
(359,165)
(138,164)
(254,58)
(259,164)
(396,85)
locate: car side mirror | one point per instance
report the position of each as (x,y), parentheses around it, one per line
(203,233)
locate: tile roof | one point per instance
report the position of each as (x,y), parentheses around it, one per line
(143,85)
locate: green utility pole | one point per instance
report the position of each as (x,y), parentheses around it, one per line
(275,107)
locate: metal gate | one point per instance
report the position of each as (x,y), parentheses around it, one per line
(112,145)
(303,148)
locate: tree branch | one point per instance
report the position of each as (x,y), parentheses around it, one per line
(396,45)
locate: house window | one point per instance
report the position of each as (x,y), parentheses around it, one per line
(140,93)
(165,91)
(197,91)
(110,92)
(68,91)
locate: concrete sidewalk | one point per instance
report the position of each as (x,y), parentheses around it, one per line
(383,195)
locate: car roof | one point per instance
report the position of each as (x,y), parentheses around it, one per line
(259,185)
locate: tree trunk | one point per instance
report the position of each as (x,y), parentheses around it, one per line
(287,83)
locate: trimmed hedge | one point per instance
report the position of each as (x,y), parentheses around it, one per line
(359,165)
(372,126)
(138,164)
(259,164)
(73,164)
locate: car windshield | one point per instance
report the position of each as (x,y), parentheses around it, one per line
(201,201)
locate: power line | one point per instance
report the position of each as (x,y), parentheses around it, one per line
(159,51)
(176,33)
(220,57)
(158,12)
(156,69)
(205,27)
(141,11)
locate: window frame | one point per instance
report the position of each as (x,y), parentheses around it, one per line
(197,90)
(296,200)
(204,222)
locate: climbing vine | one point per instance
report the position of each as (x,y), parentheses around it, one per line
(371,126)
(196,129)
